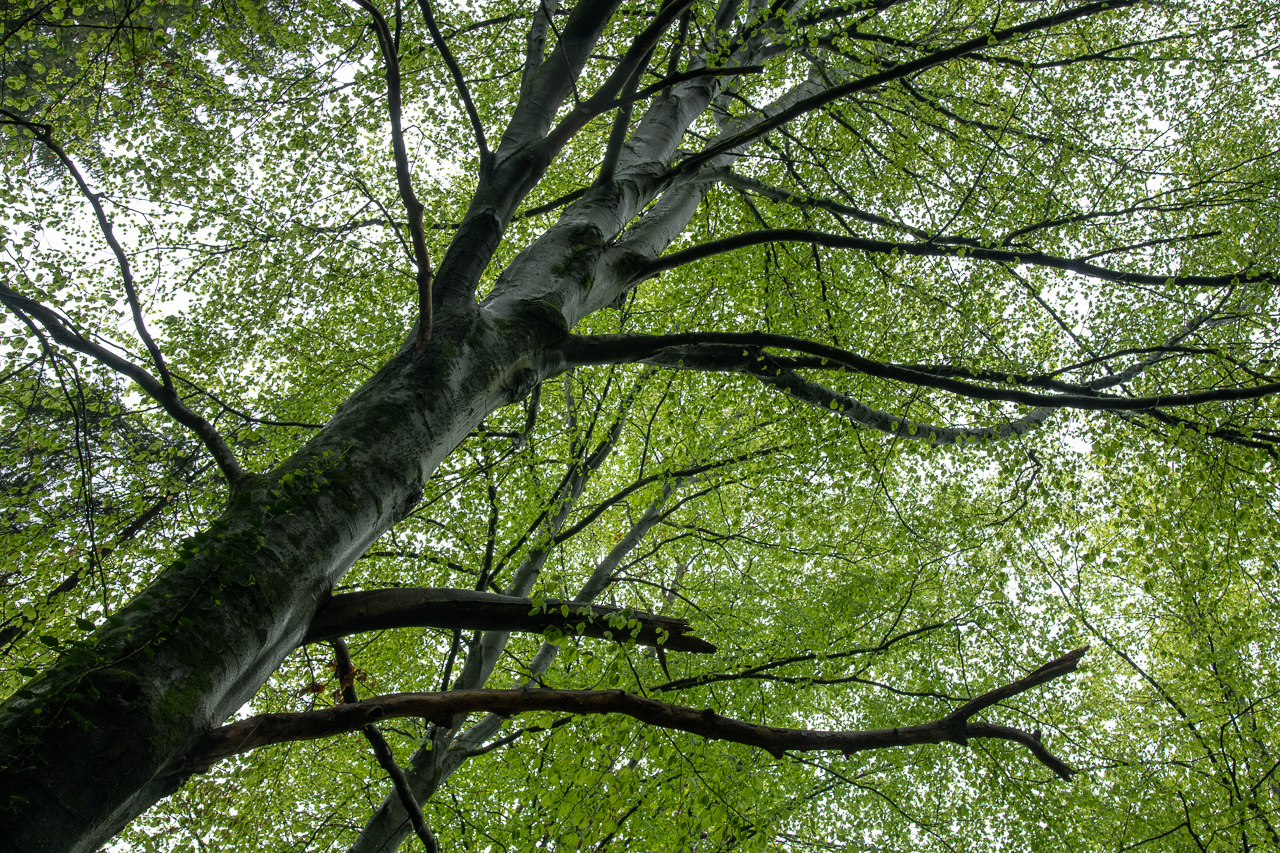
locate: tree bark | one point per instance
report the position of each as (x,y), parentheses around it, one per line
(97,739)
(112,726)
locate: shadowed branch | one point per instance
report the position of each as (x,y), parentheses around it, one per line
(377,610)
(413,207)
(345,671)
(901,71)
(442,46)
(740,353)
(61,331)
(44,133)
(442,708)
(942,249)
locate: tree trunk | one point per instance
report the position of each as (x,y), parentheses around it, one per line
(92,744)
(96,740)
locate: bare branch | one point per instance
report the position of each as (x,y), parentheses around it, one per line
(1051,670)
(443,708)
(382,750)
(751,185)
(245,416)
(554,204)
(620,495)
(751,672)
(44,133)
(691,74)
(938,248)
(376,610)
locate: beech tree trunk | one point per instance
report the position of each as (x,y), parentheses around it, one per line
(96,740)
(93,743)
(106,732)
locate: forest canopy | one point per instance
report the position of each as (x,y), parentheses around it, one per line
(623,425)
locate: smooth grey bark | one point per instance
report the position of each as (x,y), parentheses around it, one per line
(201,639)
(103,734)
(603,213)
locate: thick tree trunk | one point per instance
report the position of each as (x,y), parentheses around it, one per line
(95,742)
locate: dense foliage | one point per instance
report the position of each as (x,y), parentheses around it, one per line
(993,379)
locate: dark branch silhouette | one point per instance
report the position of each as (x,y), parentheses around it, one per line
(443,708)
(377,610)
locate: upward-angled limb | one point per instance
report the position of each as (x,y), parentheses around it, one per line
(901,71)
(536,42)
(63,331)
(464,93)
(404,176)
(345,671)
(627,70)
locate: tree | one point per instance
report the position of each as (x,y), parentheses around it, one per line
(893,350)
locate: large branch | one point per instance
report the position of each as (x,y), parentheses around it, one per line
(377,610)
(741,353)
(536,43)
(898,72)
(443,708)
(939,249)
(627,70)
(548,80)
